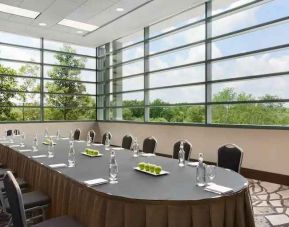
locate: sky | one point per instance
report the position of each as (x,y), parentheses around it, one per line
(269,62)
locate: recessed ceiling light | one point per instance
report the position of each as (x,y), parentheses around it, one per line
(79,32)
(78,25)
(119,9)
(42,24)
(18,11)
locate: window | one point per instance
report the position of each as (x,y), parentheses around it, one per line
(230,68)
(66,90)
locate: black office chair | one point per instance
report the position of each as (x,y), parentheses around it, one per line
(230,156)
(18,213)
(91,133)
(76,134)
(9,132)
(126,142)
(187,149)
(149,145)
(16,132)
(104,137)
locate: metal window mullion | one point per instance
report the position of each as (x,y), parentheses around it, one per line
(146,75)
(208,66)
(42,81)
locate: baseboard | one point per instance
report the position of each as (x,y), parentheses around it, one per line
(254,174)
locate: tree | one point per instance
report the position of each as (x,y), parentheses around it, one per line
(7,83)
(66,81)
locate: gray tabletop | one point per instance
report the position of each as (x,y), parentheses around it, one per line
(179,185)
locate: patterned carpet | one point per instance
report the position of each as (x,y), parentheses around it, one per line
(270,204)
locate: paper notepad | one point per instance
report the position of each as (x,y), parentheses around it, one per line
(95,182)
(193,164)
(39,156)
(117,148)
(218,189)
(97,144)
(59,165)
(147,155)
(14,145)
(24,150)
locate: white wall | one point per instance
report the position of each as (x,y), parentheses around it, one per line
(65,127)
(265,150)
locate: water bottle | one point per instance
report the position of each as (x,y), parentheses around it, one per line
(113,168)
(89,140)
(22,139)
(46,133)
(201,172)
(51,149)
(58,134)
(181,155)
(71,155)
(135,147)
(35,144)
(107,142)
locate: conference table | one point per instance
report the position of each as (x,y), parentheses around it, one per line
(138,200)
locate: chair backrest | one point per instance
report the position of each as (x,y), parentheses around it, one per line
(187,149)
(15,200)
(92,134)
(126,142)
(149,145)
(230,156)
(104,137)
(76,134)
(9,132)
(16,132)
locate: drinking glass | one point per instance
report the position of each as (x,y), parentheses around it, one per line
(71,155)
(58,134)
(211,172)
(22,140)
(136,150)
(89,140)
(51,149)
(35,144)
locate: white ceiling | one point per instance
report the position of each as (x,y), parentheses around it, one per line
(96,12)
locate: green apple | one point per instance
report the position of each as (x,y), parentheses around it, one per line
(141,165)
(147,167)
(158,169)
(152,168)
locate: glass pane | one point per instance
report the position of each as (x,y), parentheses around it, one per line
(126,114)
(100,114)
(178,76)
(219,6)
(251,41)
(53,100)
(19,99)
(270,114)
(59,46)
(100,88)
(127,54)
(68,59)
(177,95)
(19,114)
(273,62)
(57,72)
(189,114)
(56,114)
(128,40)
(127,99)
(19,84)
(69,87)
(21,54)
(19,39)
(21,69)
(128,84)
(250,17)
(176,58)
(270,88)
(178,21)
(183,37)
(100,101)
(132,68)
